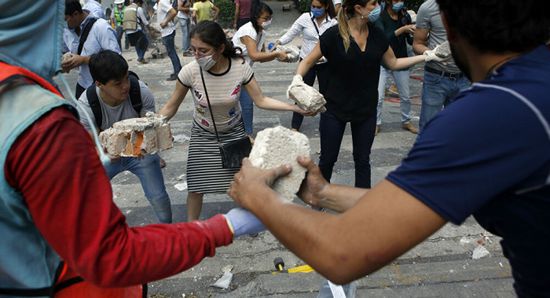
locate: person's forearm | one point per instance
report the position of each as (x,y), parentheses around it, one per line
(237,8)
(402,63)
(340,198)
(263,56)
(268,103)
(419,48)
(304,66)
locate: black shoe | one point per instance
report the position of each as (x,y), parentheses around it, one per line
(172,77)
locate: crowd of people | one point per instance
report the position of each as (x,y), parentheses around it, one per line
(485,113)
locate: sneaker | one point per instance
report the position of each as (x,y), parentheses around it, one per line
(408,126)
(172,77)
(143,61)
(377,130)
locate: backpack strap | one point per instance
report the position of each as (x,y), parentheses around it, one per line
(135,92)
(135,98)
(93,101)
(84,34)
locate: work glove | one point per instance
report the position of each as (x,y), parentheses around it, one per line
(243,222)
(441,53)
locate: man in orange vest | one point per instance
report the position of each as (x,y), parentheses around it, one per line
(55,197)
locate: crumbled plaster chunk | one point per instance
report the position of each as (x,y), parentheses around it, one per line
(277,146)
(137,136)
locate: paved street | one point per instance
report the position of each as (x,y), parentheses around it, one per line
(442,266)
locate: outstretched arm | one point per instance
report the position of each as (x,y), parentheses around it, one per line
(269,103)
(171,107)
(393,63)
(384,223)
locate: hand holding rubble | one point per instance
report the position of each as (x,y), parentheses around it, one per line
(441,53)
(292,53)
(252,183)
(306,97)
(313,185)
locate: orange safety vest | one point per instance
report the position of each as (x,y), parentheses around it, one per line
(67,283)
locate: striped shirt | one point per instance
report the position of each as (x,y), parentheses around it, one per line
(223,90)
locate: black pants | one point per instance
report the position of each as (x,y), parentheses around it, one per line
(332,130)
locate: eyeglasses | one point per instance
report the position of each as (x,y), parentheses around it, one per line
(201,52)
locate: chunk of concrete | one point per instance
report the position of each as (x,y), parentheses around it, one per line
(307,98)
(137,136)
(292,52)
(277,146)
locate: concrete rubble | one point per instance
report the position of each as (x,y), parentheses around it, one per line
(307,97)
(137,136)
(292,52)
(277,146)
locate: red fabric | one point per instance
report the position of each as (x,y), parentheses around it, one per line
(8,70)
(56,169)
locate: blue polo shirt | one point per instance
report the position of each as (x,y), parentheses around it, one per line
(488,155)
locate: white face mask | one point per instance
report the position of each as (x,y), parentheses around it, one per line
(266,24)
(206,62)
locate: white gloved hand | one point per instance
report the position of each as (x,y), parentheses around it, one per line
(297,80)
(441,53)
(243,222)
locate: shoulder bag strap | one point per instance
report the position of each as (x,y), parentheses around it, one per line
(84,34)
(209,106)
(315,25)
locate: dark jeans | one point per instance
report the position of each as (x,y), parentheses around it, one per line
(168,42)
(332,131)
(309,78)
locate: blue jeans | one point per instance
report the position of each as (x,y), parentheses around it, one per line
(141,46)
(119,32)
(185,26)
(168,42)
(401,78)
(439,91)
(332,130)
(147,169)
(247,108)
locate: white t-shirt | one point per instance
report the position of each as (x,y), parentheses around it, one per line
(163,8)
(248,30)
(223,90)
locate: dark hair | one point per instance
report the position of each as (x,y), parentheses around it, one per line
(499,25)
(141,1)
(212,33)
(107,65)
(256,10)
(71,6)
(330,7)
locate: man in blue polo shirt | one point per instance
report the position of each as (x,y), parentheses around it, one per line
(486,155)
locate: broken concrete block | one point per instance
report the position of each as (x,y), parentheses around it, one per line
(292,52)
(137,136)
(277,146)
(307,97)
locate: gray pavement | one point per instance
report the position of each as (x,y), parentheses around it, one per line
(441,266)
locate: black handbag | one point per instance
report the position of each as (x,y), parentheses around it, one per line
(233,152)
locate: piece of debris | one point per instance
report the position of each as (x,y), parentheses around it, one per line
(137,136)
(224,281)
(277,146)
(287,7)
(480,252)
(306,97)
(181,186)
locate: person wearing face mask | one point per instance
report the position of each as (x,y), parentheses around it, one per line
(494,166)
(225,75)
(354,50)
(310,25)
(250,39)
(394,21)
(56,202)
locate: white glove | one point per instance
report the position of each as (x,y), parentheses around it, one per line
(441,53)
(242,222)
(297,80)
